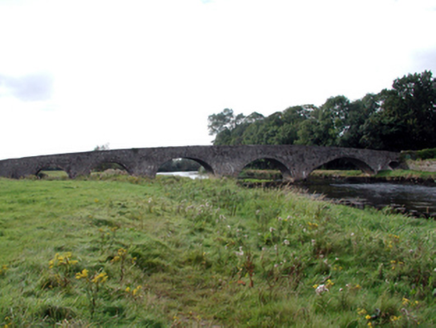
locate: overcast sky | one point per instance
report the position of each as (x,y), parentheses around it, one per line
(148,73)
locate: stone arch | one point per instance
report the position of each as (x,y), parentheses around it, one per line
(205,165)
(98,163)
(53,168)
(51,165)
(284,170)
(360,164)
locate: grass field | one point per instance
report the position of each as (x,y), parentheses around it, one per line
(122,251)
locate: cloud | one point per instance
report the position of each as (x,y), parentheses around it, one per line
(31,87)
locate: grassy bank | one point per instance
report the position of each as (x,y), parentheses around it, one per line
(173,252)
(402,176)
(386,175)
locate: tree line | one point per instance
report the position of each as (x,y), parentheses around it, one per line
(400,118)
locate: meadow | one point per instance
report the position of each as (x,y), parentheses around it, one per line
(123,251)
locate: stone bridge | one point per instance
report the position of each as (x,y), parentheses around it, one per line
(295,162)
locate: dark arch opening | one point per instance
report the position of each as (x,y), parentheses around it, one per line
(394,165)
(187,165)
(52,172)
(265,169)
(108,168)
(342,164)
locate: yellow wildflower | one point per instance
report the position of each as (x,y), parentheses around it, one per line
(3,269)
(101,277)
(83,274)
(329,283)
(361,311)
(115,259)
(122,252)
(315,286)
(135,291)
(405,301)
(127,289)
(367,317)
(394,318)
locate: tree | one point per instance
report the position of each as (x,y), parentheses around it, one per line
(407,115)
(224,120)
(403,117)
(102,147)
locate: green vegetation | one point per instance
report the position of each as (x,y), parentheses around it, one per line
(272,175)
(126,251)
(419,154)
(400,118)
(406,174)
(385,174)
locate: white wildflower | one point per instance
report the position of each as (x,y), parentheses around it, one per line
(321,289)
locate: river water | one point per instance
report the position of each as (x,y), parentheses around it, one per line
(189,174)
(407,198)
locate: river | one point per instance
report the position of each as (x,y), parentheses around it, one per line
(189,174)
(406,198)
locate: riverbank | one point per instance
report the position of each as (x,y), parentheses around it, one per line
(271,177)
(354,188)
(393,176)
(175,252)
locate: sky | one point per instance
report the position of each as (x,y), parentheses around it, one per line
(147,73)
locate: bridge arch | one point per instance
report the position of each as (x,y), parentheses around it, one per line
(394,165)
(103,165)
(203,163)
(51,167)
(358,163)
(276,163)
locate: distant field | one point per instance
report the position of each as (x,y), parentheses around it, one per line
(123,251)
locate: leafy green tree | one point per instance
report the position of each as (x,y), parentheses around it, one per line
(358,113)
(403,117)
(407,115)
(221,121)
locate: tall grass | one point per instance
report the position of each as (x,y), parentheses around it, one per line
(174,252)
